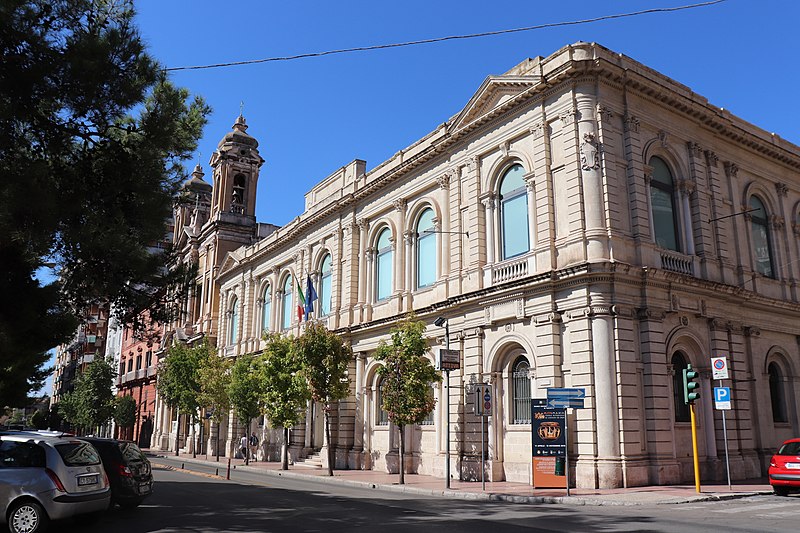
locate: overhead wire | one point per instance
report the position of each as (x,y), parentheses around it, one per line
(448,38)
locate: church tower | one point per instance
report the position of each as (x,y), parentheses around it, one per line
(236,164)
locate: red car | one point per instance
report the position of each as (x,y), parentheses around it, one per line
(784,468)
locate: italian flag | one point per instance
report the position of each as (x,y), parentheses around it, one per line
(301,302)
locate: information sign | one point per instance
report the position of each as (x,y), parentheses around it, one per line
(722,398)
(449,359)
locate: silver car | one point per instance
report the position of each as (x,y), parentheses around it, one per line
(46,476)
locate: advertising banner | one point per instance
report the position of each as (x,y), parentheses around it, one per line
(548,445)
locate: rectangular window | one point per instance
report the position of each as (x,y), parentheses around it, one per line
(384,276)
(77,453)
(325,301)
(761,247)
(515,227)
(663,219)
(521,382)
(426,264)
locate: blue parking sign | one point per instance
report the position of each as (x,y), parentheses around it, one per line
(722,397)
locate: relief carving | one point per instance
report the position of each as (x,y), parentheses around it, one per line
(537,130)
(731,169)
(663,137)
(590,153)
(631,123)
(568,117)
(781,189)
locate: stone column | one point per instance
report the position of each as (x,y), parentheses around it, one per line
(363,280)
(609,469)
(591,176)
(410,238)
(489,205)
(530,186)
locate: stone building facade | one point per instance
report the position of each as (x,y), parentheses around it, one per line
(584,221)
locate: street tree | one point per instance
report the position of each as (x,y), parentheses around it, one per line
(284,388)
(125,413)
(325,357)
(215,378)
(245,392)
(406,378)
(91,403)
(38,420)
(93,138)
(178,383)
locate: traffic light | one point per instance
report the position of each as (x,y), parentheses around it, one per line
(690,386)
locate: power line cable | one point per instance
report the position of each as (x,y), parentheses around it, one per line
(448,38)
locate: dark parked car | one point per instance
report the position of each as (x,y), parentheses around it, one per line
(128,470)
(784,468)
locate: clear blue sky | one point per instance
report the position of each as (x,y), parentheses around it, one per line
(312,116)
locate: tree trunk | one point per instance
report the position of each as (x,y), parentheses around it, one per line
(178,437)
(285,450)
(247,448)
(328,441)
(194,438)
(402,455)
(216,443)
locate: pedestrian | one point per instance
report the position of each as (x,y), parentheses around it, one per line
(254,446)
(243,446)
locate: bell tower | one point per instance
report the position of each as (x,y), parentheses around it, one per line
(235,166)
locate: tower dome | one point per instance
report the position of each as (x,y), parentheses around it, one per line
(238,135)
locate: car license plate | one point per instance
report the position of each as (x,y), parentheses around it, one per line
(793,466)
(88,480)
(144,487)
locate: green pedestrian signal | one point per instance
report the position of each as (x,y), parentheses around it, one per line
(690,386)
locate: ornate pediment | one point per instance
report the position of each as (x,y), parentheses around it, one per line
(495,94)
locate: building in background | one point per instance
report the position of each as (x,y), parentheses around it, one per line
(583,222)
(136,377)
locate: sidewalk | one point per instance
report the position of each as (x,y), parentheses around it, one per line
(495,491)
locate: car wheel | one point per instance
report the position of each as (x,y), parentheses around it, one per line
(780,491)
(27,517)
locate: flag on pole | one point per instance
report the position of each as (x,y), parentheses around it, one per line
(301,302)
(311,295)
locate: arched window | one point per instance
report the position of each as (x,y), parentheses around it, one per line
(521,391)
(286,315)
(383,416)
(776,393)
(762,249)
(426,250)
(233,324)
(325,286)
(237,198)
(679,363)
(266,308)
(662,202)
(514,212)
(383,274)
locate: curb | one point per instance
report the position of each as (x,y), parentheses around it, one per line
(471,496)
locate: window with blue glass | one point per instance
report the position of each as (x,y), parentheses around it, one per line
(266,308)
(514,213)
(426,250)
(325,286)
(662,203)
(384,265)
(762,248)
(286,315)
(233,325)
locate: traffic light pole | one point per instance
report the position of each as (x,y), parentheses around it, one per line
(694,450)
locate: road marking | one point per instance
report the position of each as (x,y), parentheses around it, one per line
(748,508)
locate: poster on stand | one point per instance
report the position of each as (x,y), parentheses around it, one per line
(548,446)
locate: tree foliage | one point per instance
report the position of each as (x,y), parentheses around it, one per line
(245,391)
(178,376)
(284,388)
(91,403)
(92,140)
(406,376)
(125,411)
(324,357)
(215,378)
(38,420)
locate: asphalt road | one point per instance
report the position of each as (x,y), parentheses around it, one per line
(254,502)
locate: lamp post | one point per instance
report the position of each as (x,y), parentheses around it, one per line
(441,321)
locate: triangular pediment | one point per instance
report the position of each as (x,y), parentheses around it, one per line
(231,261)
(495,94)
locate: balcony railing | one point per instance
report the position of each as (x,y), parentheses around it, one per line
(510,270)
(676,262)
